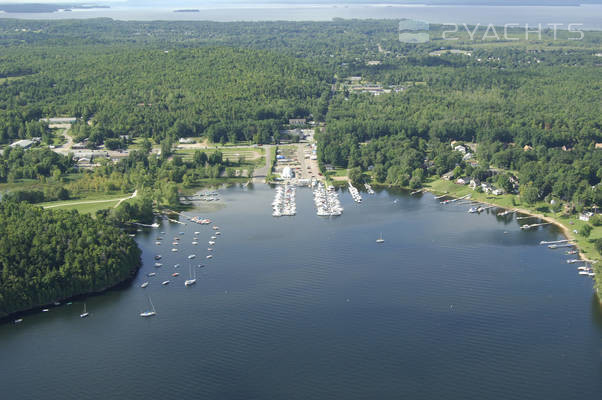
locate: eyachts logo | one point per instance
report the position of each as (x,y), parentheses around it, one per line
(412,31)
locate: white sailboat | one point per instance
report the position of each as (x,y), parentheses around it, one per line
(85,313)
(151,312)
(380,239)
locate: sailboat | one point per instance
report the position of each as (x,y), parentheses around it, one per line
(380,239)
(149,313)
(191,281)
(85,313)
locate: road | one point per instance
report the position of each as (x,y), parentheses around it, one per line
(119,201)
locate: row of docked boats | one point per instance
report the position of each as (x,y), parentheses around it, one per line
(369,188)
(327,201)
(284,203)
(355,194)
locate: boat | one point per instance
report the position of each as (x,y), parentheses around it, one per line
(85,313)
(158,257)
(174,250)
(151,274)
(190,281)
(209,249)
(175,274)
(151,312)
(18,320)
(218,233)
(158,243)
(195,243)
(213,237)
(145,284)
(45,310)
(190,257)
(380,239)
(215,227)
(165,283)
(197,233)
(211,242)
(209,256)
(56,304)
(158,265)
(473,210)
(176,266)
(584,273)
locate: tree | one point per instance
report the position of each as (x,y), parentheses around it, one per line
(355,176)
(529,193)
(585,230)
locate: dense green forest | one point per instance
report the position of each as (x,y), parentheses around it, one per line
(529,111)
(47,256)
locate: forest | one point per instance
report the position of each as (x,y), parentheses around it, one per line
(48,256)
(528,111)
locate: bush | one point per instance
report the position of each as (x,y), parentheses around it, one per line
(596,220)
(585,230)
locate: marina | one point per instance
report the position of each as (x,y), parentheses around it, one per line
(284,202)
(326,201)
(355,194)
(326,287)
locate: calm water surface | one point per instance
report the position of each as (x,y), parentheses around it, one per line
(590,15)
(449,307)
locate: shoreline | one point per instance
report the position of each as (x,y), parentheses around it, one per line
(565,231)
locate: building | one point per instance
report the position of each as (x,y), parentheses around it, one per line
(287,173)
(25,144)
(586,216)
(461,149)
(297,121)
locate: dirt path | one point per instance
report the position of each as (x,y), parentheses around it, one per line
(119,201)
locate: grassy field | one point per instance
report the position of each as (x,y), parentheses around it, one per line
(87,204)
(247,155)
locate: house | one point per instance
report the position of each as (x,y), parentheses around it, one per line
(460,148)
(448,175)
(487,188)
(473,184)
(527,148)
(467,156)
(460,181)
(185,141)
(497,192)
(586,216)
(598,146)
(297,121)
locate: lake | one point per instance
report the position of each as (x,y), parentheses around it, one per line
(452,306)
(590,15)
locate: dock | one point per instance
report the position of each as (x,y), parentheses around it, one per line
(554,241)
(527,226)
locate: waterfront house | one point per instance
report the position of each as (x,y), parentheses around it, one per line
(586,216)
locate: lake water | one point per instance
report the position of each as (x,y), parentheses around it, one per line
(589,15)
(449,307)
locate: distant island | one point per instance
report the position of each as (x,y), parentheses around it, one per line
(45,8)
(189,10)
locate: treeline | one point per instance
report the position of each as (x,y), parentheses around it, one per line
(223,93)
(17,163)
(48,256)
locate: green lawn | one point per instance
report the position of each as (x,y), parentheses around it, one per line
(87,204)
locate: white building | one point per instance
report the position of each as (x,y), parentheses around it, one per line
(287,173)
